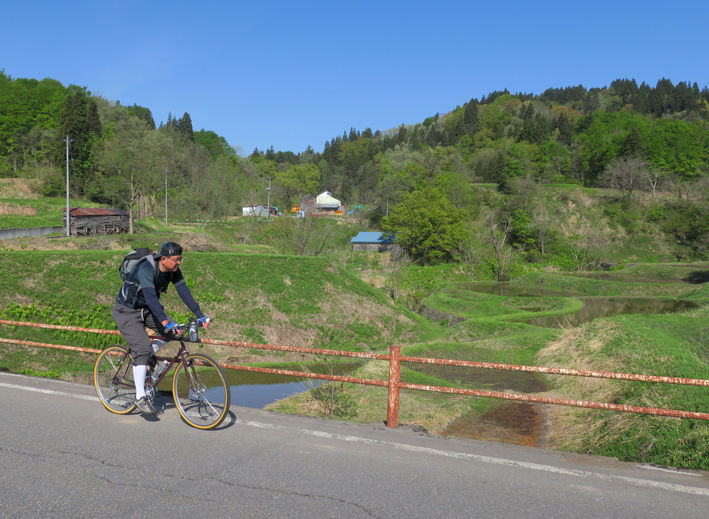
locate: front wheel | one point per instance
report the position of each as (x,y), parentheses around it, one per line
(201,391)
(113,380)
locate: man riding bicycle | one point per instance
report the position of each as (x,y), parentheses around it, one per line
(137,306)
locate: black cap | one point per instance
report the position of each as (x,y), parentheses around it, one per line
(170,248)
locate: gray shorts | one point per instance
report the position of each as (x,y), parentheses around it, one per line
(131,323)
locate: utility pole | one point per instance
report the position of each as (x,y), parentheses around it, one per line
(68,215)
(165,196)
(268,204)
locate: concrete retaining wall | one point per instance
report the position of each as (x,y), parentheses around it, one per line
(6,234)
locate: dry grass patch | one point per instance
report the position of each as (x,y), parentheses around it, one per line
(19,210)
(18,188)
(578,348)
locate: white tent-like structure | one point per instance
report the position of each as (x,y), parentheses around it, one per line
(322,203)
(254,210)
(326,202)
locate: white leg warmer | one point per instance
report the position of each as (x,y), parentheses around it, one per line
(139,373)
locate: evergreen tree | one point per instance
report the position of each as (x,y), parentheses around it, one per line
(145,114)
(184,127)
(471,118)
(592,101)
(535,127)
(633,145)
(93,119)
(80,122)
(641,99)
(625,89)
(401,135)
(565,129)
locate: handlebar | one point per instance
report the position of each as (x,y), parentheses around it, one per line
(192,331)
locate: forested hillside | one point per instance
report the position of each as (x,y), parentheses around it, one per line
(482,173)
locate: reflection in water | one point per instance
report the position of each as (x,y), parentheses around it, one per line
(257,390)
(260,395)
(594,307)
(597,307)
(482,378)
(505,289)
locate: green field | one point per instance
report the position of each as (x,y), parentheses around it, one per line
(321,302)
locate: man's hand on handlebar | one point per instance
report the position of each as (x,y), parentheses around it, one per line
(204,322)
(172,328)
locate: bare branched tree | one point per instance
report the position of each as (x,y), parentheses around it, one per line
(500,229)
(542,221)
(627,174)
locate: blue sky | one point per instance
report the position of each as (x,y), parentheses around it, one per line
(293,74)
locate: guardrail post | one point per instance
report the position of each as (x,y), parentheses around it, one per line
(394,377)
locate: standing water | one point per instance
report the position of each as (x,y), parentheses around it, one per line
(521,422)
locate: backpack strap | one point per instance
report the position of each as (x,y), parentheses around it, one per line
(130,290)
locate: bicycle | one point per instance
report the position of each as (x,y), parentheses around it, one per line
(200,388)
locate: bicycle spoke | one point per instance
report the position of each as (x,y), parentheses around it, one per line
(201,392)
(113,380)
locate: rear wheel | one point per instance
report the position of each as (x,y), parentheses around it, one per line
(113,380)
(201,391)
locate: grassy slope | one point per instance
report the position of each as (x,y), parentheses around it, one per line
(38,212)
(672,345)
(286,300)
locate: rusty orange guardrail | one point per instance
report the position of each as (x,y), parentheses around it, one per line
(394,384)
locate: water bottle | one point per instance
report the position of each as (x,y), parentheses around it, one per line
(159,370)
(192,331)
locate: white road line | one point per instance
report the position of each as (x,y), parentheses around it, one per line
(434,452)
(496,461)
(50,392)
(669,471)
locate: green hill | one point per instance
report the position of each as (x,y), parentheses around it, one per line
(288,300)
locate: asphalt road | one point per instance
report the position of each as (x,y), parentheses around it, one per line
(63,455)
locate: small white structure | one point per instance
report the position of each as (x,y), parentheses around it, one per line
(254,210)
(322,203)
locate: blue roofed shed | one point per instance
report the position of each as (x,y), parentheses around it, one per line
(376,241)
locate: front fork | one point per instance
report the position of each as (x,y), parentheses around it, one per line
(195,388)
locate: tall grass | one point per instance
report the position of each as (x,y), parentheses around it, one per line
(670,345)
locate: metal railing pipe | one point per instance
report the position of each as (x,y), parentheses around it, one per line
(394,383)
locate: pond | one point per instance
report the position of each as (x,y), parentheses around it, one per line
(597,307)
(257,390)
(594,307)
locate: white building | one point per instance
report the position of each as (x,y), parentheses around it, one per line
(254,210)
(322,203)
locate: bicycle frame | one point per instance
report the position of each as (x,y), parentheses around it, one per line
(180,356)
